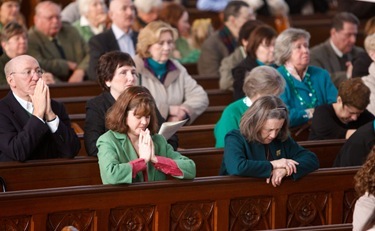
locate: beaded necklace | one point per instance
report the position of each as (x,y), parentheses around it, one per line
(312,93)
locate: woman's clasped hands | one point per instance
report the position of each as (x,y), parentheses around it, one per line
(281,168)
(146,147)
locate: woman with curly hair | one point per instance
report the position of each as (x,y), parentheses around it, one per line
(364,211)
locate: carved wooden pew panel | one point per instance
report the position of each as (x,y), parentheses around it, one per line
(208,203)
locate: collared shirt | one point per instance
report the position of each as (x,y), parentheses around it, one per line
(28,106)
(83,21)
(247,101)
(124,40)
(292,70)
(336,50)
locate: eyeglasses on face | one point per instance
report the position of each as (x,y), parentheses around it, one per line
(29,73)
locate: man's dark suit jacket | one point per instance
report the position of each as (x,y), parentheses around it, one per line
(101,44)
(25,137)
(96,110)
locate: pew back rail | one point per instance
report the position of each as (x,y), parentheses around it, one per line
(207,203)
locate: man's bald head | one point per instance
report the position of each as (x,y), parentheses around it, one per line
(9,66)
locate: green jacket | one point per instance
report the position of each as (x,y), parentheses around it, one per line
(115,150)
(243,158)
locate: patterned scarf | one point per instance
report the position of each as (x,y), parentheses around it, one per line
(228,39)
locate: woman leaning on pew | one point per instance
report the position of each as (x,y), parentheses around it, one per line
(364,211)
(262,148)
(131,151)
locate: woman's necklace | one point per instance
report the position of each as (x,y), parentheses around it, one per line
(312,93)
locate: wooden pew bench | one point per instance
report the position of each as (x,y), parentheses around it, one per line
(208,160)
(77,104)
(87,88)
(50,173)
(209,203)
(84,170)
(210,116)
(207,82)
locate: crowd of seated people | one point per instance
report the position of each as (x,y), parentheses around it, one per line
(278,82)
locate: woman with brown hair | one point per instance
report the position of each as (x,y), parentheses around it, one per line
(131,151)
(177,16)
(364,211)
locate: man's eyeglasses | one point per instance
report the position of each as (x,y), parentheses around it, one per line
(29,73)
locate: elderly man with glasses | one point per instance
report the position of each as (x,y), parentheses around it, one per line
(32,126)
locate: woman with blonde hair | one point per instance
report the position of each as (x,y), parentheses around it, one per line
(177,94)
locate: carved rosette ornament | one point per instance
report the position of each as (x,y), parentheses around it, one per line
(250,213)
(132,218)
(192,216)
(307,209)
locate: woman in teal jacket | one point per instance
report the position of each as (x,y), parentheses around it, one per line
(262,147)
(131,151)
(306,86)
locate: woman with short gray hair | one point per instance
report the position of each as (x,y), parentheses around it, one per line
(93,18)
(306,86)
(262,80)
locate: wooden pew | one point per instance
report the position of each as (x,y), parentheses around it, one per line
(202,136)
(208,160)
(208,203)
(219,97)
(84,170)
(50,173)
(196,136)
(333,227)
(77,104)
(191,68)
(207,81)
(210,116)
(87,88)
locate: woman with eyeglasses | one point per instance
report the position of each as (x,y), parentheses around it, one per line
(262,147)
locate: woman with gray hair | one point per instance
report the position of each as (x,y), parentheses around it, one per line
(262,148)
(306,86)
(177,94)
(93,18)
(262,80)
(147,11)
